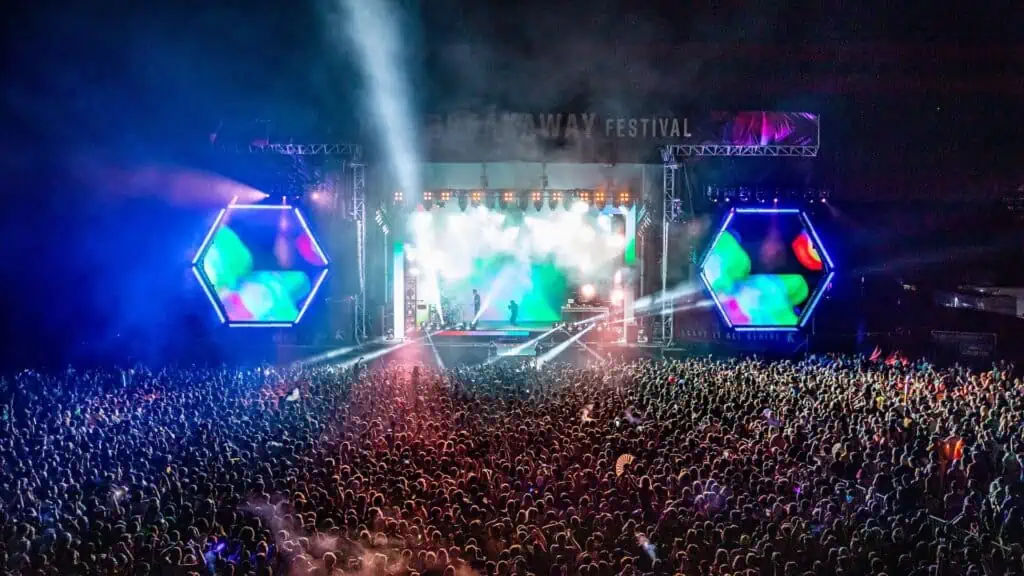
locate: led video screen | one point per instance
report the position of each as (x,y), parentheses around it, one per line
(766,269)
(537,258)
(260,265)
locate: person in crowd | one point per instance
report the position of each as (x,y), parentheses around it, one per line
(819,467)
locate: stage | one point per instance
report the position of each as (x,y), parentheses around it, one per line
(491,330)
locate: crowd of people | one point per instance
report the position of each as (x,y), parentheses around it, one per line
(824,466)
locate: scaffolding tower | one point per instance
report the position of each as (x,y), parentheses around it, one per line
(675,211)
(351,169)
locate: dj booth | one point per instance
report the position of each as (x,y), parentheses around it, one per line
(573,314)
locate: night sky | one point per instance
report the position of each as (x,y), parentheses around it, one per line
(919,104)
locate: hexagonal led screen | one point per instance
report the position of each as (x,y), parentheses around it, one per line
(766,269)
(260,265)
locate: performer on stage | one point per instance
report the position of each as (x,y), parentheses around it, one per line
(513,312)
(476,305)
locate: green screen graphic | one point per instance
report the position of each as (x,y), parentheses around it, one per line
(536,258)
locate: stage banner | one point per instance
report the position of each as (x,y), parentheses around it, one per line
(495,136)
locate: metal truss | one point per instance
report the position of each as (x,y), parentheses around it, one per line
(687,150)
(359,216)
(353,152)
(672,211)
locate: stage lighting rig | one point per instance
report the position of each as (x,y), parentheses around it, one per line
(766,195)
(398,197)
(585,196)
(600,199)
(554,199)
(524,200)
(428,199)
(508,197)
(567,200)
(476,198)
(463,200)
(381,217)
(538,199)
(444,197)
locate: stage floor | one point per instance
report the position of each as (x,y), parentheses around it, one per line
(501,329)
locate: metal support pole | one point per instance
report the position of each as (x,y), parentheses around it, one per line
(665,327)
(387,269)
(359,216)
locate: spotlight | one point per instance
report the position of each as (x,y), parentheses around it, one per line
(445,196)
(587,291)
(398,197)
(585,196)
(507,198)
(554,199)
(428,199)
(538,199)
(600,199)
(476,197)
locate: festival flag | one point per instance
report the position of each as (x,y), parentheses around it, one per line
(876,355)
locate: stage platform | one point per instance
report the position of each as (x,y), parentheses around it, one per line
(491,330)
